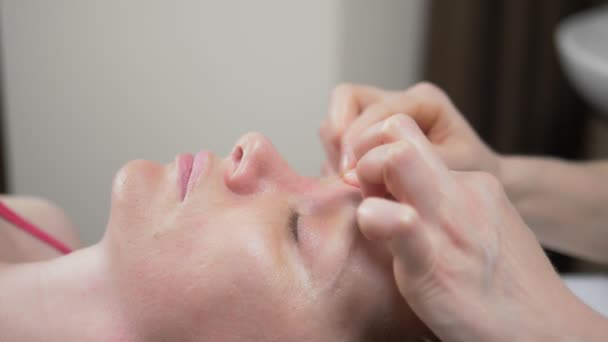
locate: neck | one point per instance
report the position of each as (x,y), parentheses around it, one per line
(65,299)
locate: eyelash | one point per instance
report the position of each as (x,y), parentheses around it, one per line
(294,219)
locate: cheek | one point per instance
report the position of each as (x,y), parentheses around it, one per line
(161,280)
(209,277)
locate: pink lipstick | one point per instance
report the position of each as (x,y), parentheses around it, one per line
(198,166)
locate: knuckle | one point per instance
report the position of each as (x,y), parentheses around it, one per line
(389,128)
(378,109)
(332,138)
(377,112)
(393,125)
(427,88)
(394,121)
(487,181)
(427,92)
(405,121)
(326,132)
(343,89)
(400,155)
(407,217)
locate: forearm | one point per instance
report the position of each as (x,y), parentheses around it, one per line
(65,299)
(566,204)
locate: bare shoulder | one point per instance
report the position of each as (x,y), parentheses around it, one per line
(18,246)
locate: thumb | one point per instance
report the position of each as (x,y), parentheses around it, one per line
(408,238)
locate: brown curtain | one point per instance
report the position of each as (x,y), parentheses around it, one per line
(498,61)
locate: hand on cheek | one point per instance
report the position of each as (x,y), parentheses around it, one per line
(462,257)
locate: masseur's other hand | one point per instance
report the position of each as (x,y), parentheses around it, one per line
(463,258)
(355,109)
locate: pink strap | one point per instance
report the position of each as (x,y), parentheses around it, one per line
(12,217)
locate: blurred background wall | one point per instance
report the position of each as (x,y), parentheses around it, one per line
(89,85)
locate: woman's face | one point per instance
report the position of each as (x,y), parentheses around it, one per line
(244,248)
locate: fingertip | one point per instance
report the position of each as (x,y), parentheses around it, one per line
(385,219)
(346,159)
(341,111)
(351,178)
(367,218)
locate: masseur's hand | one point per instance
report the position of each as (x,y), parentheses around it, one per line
(355,109)
(463,258)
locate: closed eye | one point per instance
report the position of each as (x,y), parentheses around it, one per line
(293,223)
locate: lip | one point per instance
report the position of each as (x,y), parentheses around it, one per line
(190,169)
(199,164)
(184,167)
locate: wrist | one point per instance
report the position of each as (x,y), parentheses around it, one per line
(561,316)
(514,176)
(579,322)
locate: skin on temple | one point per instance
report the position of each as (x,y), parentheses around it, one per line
(219,262)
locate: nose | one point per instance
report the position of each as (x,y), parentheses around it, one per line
(258,166)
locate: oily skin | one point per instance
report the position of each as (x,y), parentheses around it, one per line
(222,263)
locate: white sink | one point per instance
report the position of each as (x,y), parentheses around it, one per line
(582,41)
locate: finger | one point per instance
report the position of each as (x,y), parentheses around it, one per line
(347,101)
(327,170)
(401,170)
(424,102)
(346,104)
(384,132)
(330,146)
(351,178)
(408,239)
(395,128)
(373,114)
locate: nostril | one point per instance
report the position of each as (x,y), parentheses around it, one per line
(240,178)
(237,154)
(237,158)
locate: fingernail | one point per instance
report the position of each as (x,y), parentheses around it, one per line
(351,178)
(345,162)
